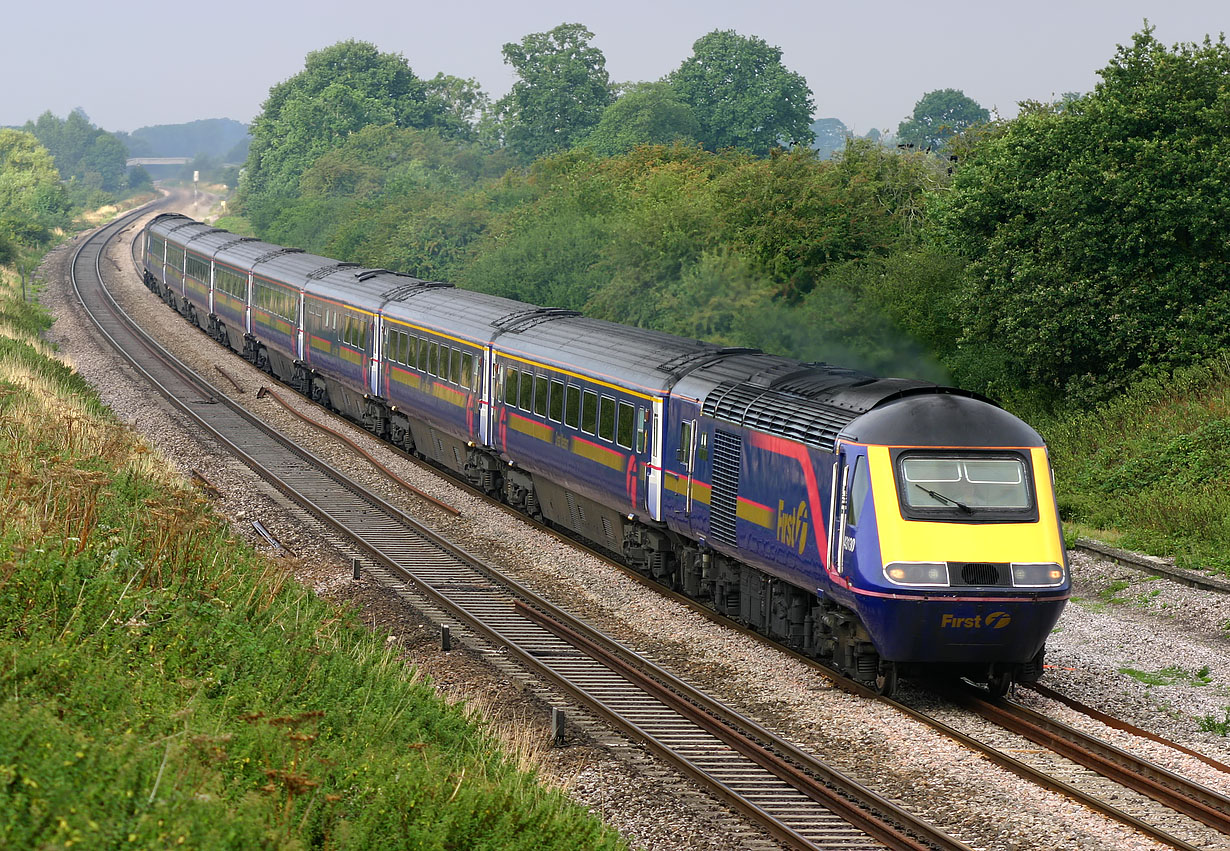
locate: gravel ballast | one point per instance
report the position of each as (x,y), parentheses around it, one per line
(1170,638)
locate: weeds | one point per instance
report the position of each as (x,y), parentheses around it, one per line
(1210,724)
(1171,675)
(161,684)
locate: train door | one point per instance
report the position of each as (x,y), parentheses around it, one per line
(486,395)
(687,459)
(247,306)
(837,513)
(373,361)
(653,481)
(851,501)
(300,337)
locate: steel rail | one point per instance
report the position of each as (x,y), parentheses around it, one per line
(383,531)
(1008,762)
(1164,786)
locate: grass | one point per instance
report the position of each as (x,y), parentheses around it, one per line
(1210,723)
(1150,471)
(161,684)
(1171,675)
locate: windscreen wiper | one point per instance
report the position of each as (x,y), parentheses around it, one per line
(942,498)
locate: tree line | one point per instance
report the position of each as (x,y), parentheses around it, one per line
(1047,259)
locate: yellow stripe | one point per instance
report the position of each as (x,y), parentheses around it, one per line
(761,515)
(919,540)
(408,378)
(448,394)
(531,428)
(351,355)
(577,375)
(596,453)
(676,483)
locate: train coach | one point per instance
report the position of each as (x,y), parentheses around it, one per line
(888,526)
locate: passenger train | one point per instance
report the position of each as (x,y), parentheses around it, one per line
(889,527)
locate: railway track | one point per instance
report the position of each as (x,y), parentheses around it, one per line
(793,796)
(713,752)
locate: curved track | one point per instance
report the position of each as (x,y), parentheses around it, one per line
(1171,791)
(793,796)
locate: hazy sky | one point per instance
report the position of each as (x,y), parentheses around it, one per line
(139,63)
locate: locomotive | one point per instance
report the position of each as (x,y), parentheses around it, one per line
(890,527)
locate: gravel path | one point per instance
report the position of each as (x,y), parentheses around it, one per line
(1158,627)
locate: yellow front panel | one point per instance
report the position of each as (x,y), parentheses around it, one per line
(918,540)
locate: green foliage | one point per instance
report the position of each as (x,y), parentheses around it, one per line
(560,93)
(742,95)
(86,154)
(1210,724)
(1170,675)
(342,89)
(1097,229)
(938,117)
(32,201)
(646,114)
(831,135)
(162,685)
(1151,466)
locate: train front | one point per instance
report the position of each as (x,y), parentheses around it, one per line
(950,538)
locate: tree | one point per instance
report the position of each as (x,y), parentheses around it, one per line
(461,102)
(341,89)
(939,116)
(647,114)
(831,135)
(90,154)
(32,199)
(742,95)
(1098,229)
(560,94)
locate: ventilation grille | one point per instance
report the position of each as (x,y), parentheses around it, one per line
(575,511)
(724,500)
(979,573)
(777,413)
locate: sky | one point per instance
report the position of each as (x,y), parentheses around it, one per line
(141,63)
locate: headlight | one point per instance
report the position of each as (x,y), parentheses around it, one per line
(1043,575)
(917,572)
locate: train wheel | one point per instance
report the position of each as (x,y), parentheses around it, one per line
(886,679)
(998,683)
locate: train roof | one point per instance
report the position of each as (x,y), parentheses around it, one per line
(809,402)
(470,315)
(637,358)
(941,419)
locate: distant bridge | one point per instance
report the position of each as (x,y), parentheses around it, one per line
(159,161)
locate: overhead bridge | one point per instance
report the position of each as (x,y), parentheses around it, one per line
(159,161)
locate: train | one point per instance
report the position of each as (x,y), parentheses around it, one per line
(889,527)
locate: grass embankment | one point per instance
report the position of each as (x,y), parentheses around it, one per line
(1150,471)
(162,685)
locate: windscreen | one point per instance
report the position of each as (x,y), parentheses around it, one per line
(964,484)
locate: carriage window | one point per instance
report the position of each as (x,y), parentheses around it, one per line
(627,425)
(540,395)
(424,349)
(510,387)
(433,358)
(572,410)
(858,490)
(642,429)
(454,368)
(527,392)
(556,410)
(684,456)
(467,369)
(606,419)
(589,412)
